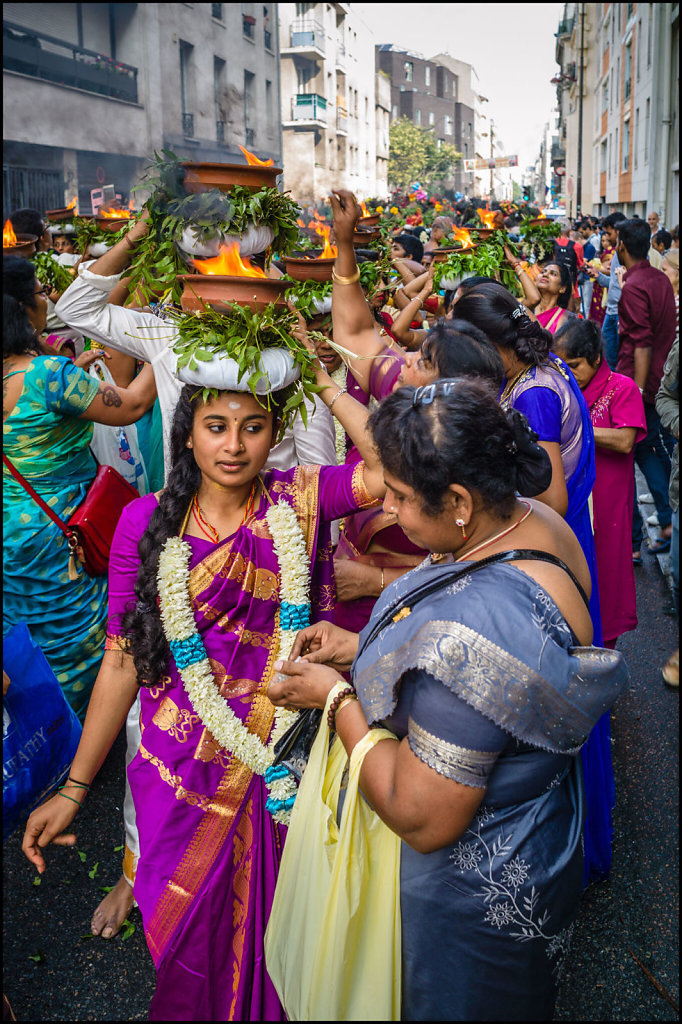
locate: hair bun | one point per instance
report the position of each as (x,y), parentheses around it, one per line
(533,464)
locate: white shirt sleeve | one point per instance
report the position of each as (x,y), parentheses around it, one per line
(84,306)
(315,444)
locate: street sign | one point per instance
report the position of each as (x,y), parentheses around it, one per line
(481,164)
(561,171)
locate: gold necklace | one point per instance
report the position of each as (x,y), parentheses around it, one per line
(498,536)
(509,386)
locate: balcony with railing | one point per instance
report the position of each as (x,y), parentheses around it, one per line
(308,108)
(53,60)
(249,137)
(307,38)
(188,125)
(342,120)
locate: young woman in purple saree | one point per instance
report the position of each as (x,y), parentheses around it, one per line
(209,847)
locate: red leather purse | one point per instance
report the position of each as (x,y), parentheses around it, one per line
(90,530)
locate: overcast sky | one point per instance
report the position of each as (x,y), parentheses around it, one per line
(511,46)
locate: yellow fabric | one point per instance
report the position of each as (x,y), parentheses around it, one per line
(332,945)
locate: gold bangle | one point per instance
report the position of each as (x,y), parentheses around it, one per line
(338,279)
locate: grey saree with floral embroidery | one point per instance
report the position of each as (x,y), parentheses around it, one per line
(484,679)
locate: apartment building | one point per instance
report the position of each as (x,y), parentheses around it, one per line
(98,88)
(469,123)
(329,102)
(630,108)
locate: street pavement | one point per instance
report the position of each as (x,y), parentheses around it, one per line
(624,960)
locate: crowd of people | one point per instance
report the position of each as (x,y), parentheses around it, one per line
(445,547)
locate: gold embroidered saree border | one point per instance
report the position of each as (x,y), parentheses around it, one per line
(218,817)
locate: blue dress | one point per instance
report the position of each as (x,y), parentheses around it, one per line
(483,680)
(47,441)
(554,406)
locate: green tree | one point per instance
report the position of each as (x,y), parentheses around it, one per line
(414,155)
(517,194)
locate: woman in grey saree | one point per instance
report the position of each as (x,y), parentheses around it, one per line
(479,667)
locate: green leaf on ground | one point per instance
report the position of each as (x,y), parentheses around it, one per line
(38,957)
(105,888)
(93,872)
(37,880)
(83,856)
(128,930)
(117,849)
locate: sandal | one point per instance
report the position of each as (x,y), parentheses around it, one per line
(671,671)
(660,546)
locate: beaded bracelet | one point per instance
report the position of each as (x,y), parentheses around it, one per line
(348,691)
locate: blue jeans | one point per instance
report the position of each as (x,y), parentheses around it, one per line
(609,332)
(653,456)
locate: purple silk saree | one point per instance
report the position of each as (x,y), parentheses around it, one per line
(209,851)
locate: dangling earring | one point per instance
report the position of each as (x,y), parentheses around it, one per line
(460,523)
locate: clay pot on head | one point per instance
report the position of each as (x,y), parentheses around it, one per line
(440,255)
(218,291)
(363,237)
(111,224)
(309,269)
(26,246)
(202,177)
(65,213)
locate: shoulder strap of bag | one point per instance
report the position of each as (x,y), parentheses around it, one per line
(36,497)
(518,554)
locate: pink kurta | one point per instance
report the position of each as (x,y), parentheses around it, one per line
(615,402)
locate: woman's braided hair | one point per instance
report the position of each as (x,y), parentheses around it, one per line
(493,309)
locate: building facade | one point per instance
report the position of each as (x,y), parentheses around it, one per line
(630,110)
(91,96)
(329,102)
(469,123)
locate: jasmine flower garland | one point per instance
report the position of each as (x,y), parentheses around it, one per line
(340,378)
(190,655)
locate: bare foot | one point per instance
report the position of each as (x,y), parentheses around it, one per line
(113,910)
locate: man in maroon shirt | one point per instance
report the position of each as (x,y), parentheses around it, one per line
(647,321)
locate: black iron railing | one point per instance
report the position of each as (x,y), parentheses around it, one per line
(41,56)
(250,137)
(188,125)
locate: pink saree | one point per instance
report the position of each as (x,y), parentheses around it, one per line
(615,402)
(209,851)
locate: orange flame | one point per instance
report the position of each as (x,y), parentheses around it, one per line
(8,236)
(330,252)
(73,205)
(131,205)
(112,214)
(300,223)
(365,211)
(228,262)
(463,236)
(487,216)
(253,160)
(542,215)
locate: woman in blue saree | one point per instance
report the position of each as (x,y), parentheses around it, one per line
(541,386)
(479,667)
